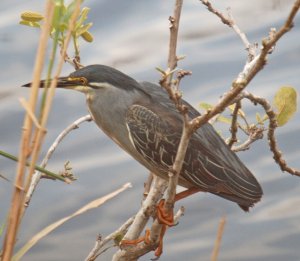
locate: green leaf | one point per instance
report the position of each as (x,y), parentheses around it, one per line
(162,71)
(83,29)
(31,24)
(118,238)
(81,19)
(223,119)
(260,120)
(285,101)
(31,16)
(205,106)
(266,117)
(87,36)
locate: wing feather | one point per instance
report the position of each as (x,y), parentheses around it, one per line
(209,164)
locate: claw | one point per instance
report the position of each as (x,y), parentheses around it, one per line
(134,242)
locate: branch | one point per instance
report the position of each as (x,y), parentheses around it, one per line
(250,70)
(234,124)
(100,243)
(159,186)
(255,133)
(147,185)
(37,175)
(232,24)
(277,155)
(174,28)
(129,252)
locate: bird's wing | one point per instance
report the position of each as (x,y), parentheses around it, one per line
(209,164)
(155,139)
(215,165)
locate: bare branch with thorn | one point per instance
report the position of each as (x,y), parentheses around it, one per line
(277,154)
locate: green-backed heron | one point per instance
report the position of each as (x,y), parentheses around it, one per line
(143,121)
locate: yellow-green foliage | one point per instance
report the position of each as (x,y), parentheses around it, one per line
(285,101)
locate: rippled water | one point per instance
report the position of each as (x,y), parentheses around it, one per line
(133,36)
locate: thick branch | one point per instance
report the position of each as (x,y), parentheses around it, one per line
(129,252)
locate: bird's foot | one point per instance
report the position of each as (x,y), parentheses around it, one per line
(134,242)
(165,218)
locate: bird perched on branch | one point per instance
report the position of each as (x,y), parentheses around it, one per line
(142,120)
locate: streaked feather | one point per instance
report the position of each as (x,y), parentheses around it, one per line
(209,163)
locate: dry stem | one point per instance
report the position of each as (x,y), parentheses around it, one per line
(215,253)
(16,208)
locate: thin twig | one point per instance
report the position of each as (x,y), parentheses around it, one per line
(234,124)
(231,23)
(255,133)
(277,154)
(97,249)
(174,28)
(37,175)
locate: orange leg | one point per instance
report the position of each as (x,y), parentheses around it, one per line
(167,218)
(138,240)
(186,193)
(164,218)
(159,249)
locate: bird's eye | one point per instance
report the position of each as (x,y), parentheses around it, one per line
(78,81)
(83,80)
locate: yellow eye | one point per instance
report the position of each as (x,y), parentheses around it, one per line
(78,81)
(83,80)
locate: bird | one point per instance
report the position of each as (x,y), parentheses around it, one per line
(144,122)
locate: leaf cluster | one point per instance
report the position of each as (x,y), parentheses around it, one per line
(60,22)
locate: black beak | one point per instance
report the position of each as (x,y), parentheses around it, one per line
(62,82)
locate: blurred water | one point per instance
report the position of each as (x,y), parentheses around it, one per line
(133,36)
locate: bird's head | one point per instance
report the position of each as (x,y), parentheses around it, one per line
(95,77)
